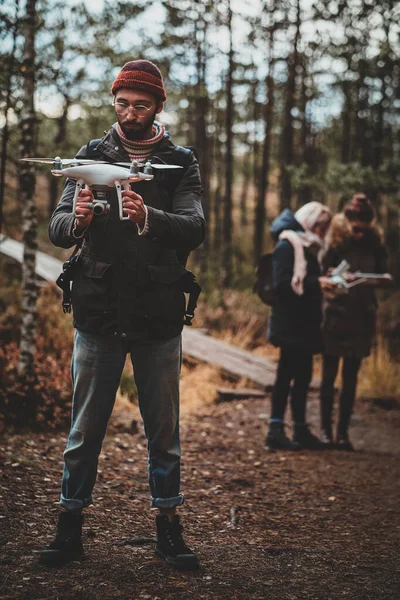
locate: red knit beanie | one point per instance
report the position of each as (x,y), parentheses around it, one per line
(359,208)
(140,75)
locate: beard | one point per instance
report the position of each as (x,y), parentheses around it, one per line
(135,130)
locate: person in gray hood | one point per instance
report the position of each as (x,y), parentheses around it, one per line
(295,322)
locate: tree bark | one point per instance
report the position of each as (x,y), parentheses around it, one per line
(226,270)
(59,140)
(259,225)
(287,131)
(305,193)
(6,133)
(362,145)
(218,195)
(201,111)
(26,197)
(346,124)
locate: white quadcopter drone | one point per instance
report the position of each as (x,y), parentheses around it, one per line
(101,176)
(338,277)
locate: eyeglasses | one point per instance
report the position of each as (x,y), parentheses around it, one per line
(123,107)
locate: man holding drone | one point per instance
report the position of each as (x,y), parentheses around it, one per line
(128,297)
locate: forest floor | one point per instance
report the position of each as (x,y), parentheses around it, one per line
(272,526)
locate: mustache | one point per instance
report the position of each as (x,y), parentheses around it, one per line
(132,125)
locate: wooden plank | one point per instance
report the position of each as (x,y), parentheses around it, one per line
(239,362)
(47,267)
(228,394)
(196,343)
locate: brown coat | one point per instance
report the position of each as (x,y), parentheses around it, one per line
(349,320)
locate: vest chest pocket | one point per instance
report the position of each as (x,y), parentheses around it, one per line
(92,286)
(164,295)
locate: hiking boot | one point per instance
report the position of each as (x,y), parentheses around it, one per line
(67,544)
(170,545)
(305,439)
(327,439)
(277,439)
(343,443)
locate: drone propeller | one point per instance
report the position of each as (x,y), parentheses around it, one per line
(152,165)
(64,161)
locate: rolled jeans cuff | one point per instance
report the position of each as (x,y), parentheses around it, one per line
(74,503)
(167,502)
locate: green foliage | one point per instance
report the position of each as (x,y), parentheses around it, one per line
(345,179)
(349,178)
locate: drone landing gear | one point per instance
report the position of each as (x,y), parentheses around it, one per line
(119,188)
(79,185)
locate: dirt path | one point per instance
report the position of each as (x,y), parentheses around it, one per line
(281,526)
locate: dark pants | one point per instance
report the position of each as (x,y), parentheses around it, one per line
(296,365)
(350,368)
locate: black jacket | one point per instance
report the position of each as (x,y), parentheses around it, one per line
(129,285)
(295,320)
(350,319)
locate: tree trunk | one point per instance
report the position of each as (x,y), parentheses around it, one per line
(26,197)
(287,131)
(226,270)
(59,140)
(4,141)
(305,193)
(259,225)
(346,124)
(244,195)
(362,144)
(218,195)
(255,150)
(201,111)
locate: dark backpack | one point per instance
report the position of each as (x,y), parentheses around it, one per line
(263,285)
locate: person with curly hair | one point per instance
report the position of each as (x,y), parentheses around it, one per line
(349,319)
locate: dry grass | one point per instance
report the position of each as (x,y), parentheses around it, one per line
(380,374)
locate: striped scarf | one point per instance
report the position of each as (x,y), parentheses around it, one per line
(142,149)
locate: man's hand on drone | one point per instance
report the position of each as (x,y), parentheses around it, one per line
(82,208)
(133,206)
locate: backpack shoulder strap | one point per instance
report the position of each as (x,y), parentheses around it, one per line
(182,155)
(91,148)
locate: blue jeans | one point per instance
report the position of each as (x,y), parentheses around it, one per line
(97,365)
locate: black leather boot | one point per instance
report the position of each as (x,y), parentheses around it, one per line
(327,439)
(326,407)
(343,442)
(170,545)
(277,439)
(67,544)
(306,439)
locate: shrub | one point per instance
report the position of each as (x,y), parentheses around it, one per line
(46,400)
